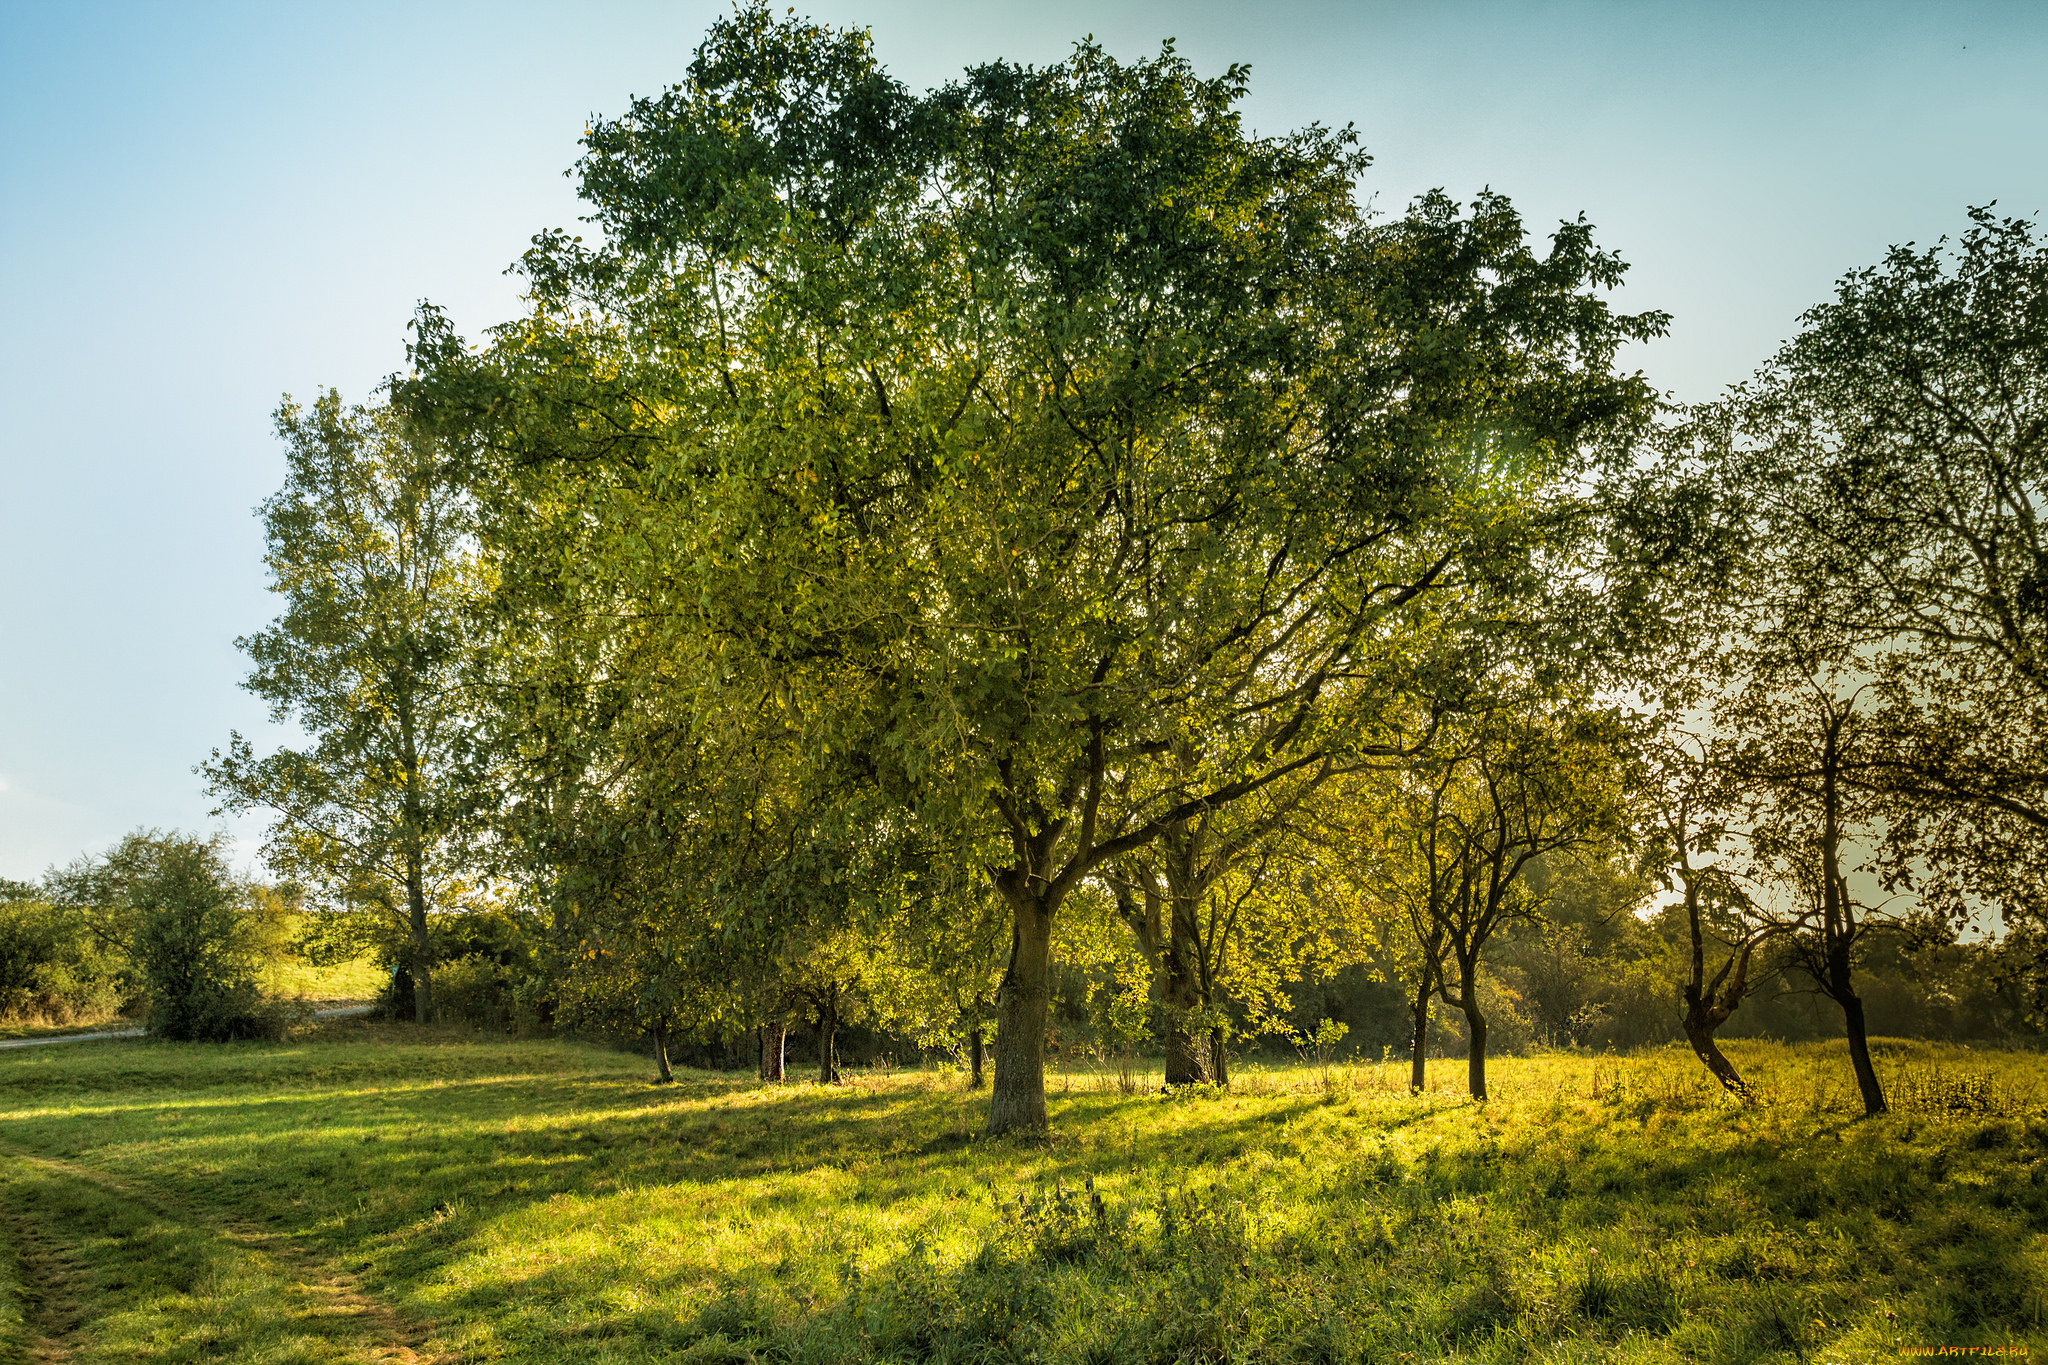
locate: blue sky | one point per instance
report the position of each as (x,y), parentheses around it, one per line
(205,206)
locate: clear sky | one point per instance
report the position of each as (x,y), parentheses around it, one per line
(205,206)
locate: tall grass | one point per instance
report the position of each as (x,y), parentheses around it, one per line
(541,1201)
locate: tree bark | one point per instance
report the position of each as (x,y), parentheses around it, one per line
(1216,1056)
(1017,1099)
(1475,1052)
(422,946)
(1418,1077)
(774,1047)
(975,1047)
(661,1052)
(828,1042)
(1475,1031)
(1187,1050)
(1859,1055)
(1699,1032)
(1838,922)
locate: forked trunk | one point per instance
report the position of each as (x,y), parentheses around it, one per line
(1017,1100)
(1699,1031)
(1709,1003)
(774,1045)
(975,1047)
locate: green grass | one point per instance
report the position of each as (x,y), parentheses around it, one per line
(294,978)
(363,1192)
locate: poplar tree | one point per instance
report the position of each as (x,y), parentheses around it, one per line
(369,545)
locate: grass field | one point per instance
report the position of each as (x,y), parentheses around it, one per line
(293,978)
(364,1195)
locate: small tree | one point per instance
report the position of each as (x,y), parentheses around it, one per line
(198,935)
(1120,1009)
(1686,848)
(1515,787)
(1322,1045)
(1803,747)
(1415,864)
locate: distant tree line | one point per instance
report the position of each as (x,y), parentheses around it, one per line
(1035,565)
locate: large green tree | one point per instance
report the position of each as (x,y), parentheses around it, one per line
(369,545)
(1015,434)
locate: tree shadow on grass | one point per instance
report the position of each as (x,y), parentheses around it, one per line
(562,1208)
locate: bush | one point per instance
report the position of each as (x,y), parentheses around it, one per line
(51,968)
(1509,1030)
(476,989)
(194,932)
(488,974)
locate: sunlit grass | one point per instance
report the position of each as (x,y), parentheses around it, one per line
(294,978)
(544,1201)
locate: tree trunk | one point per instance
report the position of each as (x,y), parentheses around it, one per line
(1216,1056)
(1475,1048)
(1187,1055)
(828,1043)
(774,1046)
(1017,1099)
(974,1051)
(422,946)
(661,1052)
(1419,1035)
(1859,1055)
(1187,1051)
(1838,921)
(1700,1033)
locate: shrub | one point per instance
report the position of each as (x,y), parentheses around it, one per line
(194,932)
(51,968)
(476,989)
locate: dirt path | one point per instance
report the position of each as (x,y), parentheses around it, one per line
(51,1276)
(340,1011)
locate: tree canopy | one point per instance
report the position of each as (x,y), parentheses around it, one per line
(1021,435)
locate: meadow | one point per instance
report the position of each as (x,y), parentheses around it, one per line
(369,1192)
